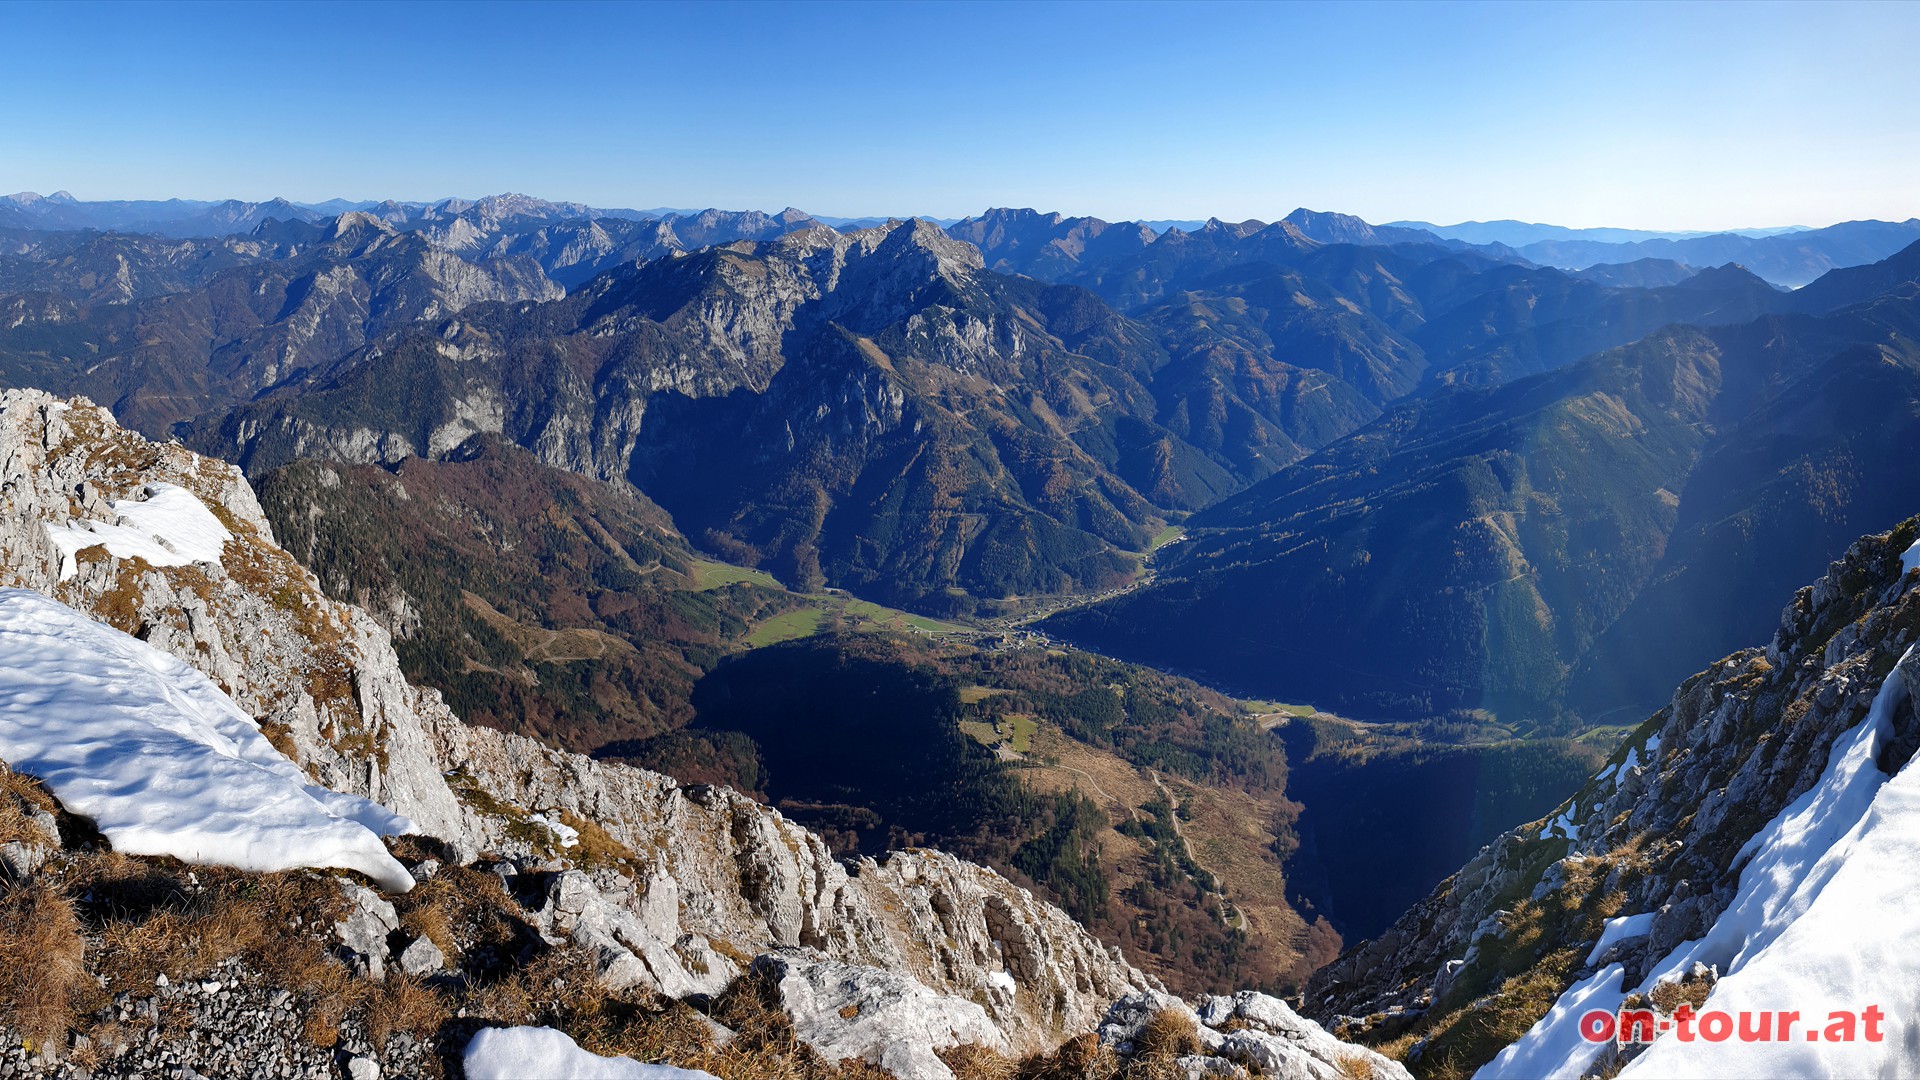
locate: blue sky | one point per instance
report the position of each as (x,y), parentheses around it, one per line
(1670,116)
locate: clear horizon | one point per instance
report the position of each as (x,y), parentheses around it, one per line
(1679,117)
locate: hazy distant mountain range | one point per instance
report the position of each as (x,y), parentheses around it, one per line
(1521,233)
(1789,255)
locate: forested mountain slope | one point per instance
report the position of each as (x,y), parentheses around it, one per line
(1475,548)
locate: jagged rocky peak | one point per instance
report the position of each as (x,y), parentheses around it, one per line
(1001,224)
(510,204)
(1050,246)
(656,888)
(1235,229)
(1737,851)
(354,221)
(747,291)
(916,250)
(391,212)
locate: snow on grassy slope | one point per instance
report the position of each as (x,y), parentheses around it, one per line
(1552,1048)
(1829,893)
(1624,928)
(169,527)
(162,761)
(537,1053)
(1827,909)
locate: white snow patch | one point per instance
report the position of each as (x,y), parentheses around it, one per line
(541,1053)
(1910,559)
(1552,1049)
(170,526)
(1564,825)
(162,761)
(1819,924)
(563,832)
(1624,928)
(1002,980)
(1784,866)
(1827,894)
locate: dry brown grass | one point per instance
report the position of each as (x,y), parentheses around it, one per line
(555,988)
(674,1033)
(21,796)
(974,1062)
(280,737)
(26,790)
(321,1023)
(1353,1067)
(1688,990)
(1168,1033)
(558,989)
(157,916)
(110,1038)
(1081,1058)
(597,848)
(1609,1066)
(153,918)
(1398,1047)
(119,607)
(764,1044)
(404,1003)
(1156,1067)
(42,962)
(462,904)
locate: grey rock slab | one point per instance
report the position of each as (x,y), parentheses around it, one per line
(848,1011)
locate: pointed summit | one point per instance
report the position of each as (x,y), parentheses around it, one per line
(354,221)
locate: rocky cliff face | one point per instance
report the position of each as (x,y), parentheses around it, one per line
(870,408)
(711,878)
(1651,851)
(161,332)
(572,243)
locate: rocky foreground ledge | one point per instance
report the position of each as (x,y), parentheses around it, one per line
(642,918)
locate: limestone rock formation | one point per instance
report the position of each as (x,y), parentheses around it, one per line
(1246,1034)
(667,888)
(709,874)
(845,1011)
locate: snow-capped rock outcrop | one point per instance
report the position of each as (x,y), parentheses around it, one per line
(1739,849)
(707,873)
(161,761)
(662,887)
